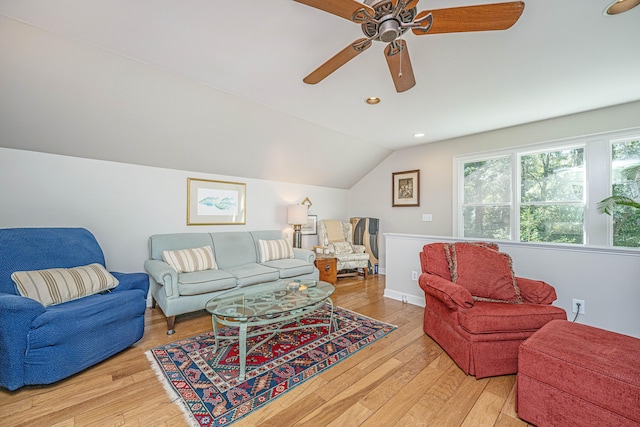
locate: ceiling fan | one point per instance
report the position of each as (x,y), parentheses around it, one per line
(388,20)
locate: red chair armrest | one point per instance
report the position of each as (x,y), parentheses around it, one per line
(451,294)
(536,291)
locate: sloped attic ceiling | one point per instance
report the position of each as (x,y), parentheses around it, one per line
(217,87)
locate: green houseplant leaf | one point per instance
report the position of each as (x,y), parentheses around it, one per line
(606,206)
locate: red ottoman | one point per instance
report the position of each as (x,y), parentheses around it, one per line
(577,375)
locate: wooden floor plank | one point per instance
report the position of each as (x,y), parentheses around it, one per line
(404,378)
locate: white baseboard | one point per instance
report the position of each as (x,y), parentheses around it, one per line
(410,299)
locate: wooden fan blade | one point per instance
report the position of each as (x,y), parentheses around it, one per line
(337,61)
(410,4)
(485,17)
(397,56)
(343,8)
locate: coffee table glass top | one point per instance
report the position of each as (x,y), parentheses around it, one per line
(269,299)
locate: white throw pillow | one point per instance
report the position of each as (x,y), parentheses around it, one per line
(274,249)
(190,260)
(58,285)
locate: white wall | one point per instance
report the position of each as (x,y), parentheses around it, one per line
(58,95)
(372,195)
(124,204)
(607,279)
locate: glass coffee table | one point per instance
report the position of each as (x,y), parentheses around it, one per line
(266,309)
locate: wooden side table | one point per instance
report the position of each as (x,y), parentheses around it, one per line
(328,267)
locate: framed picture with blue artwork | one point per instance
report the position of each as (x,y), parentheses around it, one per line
(215,202)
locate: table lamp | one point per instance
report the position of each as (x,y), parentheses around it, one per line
(296,216)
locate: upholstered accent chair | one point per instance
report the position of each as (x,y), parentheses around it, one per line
(42,339)
(477,310)
(337,237)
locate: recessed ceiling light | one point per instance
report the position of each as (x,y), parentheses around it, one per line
(372,100)
(620,6)
(418,135)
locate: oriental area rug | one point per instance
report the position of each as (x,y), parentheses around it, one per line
(205,382)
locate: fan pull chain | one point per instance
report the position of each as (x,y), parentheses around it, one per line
(400,68)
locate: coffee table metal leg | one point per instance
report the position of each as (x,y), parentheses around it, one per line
(214,321)
(242,344)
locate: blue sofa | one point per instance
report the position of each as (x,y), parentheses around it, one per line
(41,345)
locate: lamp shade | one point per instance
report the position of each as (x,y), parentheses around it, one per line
(297,214)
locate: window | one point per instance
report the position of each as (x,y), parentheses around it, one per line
(549,193)
(486,207)
(625,160)
(552,196)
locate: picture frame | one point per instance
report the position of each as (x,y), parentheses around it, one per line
(212,202)
(405,188)
(311,227)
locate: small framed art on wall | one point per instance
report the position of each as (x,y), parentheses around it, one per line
(406,188)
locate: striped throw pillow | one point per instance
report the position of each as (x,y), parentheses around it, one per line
(190,260)
(274,249)
(58,285)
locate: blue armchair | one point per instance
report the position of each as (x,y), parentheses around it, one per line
(42,345)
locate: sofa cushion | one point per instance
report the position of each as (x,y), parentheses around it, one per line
(291,267)
(495,317)
(202,282)
(58,285)
(251,274)
(274,249)
(190,260)
(485,272)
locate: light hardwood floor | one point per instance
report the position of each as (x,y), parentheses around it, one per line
(404,379)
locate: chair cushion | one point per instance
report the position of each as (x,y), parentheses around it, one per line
(274,249)
(335,231)
(343,248)
(58,285)
(536,291)
(190,260)
(435,260)
(495,317)
(485,272)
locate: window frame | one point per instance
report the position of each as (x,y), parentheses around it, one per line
(597,227)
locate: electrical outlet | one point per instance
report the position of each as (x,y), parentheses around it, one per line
(404,299)
(414,275)
(427,217)
(574,306)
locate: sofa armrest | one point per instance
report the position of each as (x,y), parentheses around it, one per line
(16,316)
(164,275)
(304,254)
(536,291)
(451,294)
(130,281)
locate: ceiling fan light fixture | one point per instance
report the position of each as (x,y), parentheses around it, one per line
(372,100)
(389,30)
(620,6)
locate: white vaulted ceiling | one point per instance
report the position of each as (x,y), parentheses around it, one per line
(560,58)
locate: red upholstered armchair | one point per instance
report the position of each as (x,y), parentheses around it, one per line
(477,310)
